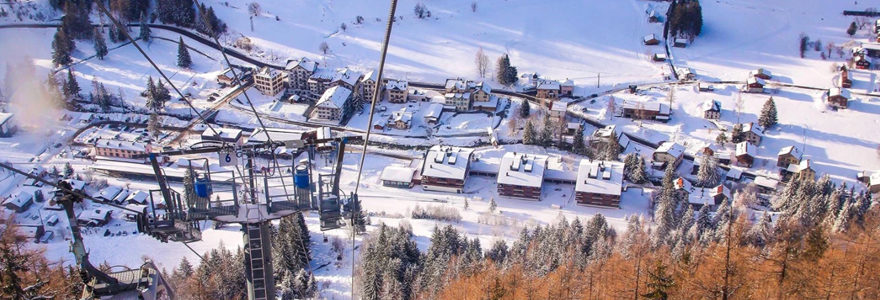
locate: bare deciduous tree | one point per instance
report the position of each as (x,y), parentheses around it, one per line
(324,48)
(254,9)
(482,62)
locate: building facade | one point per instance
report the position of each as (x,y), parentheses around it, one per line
(268,81)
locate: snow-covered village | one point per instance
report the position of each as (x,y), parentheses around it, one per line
(439,149)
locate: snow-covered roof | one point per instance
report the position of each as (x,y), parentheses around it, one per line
(874,179)
(323,74)
(120,145)
(871,46)
(753,79)
(599,177)
(267,72)
(568,83)
(396,85)
(797,168)
(485,87)
(447,162)
(459,84)
(707,195)
(398,173)
(121,196)
(433,110)
(681,41)
(558,170)
(109,193)
(683,184)
(522,169)
(548,85)
(766,182)
(277,135)
(745,148)
(751,127)
(402,116)
(371,75)
(559,106)
(711,105)
(762,71)
(790,150)
(839,92)
(650,37)
(660,108)
(94,214)
(5,117)
(458,95)
(303,62)
(670,148)
(605,132)
(334,97)
(138,197)
(225,134)
(348,76)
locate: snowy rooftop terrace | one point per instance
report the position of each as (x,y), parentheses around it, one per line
(522,169)
(447,162)
(599,177)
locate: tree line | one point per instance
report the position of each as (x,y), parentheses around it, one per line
(818,240)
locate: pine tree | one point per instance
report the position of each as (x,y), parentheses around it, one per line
(100,45)
(144,30)
(529,134)
(664,214)
(546,138)
(68,170)
(659,282)
(501,69)
(687,221)
(492,205)
(841,224)
(707,175)
(768,114)
(360,224)
(498,252)
(525,109)
(724,217)
(61,48)
(736,134)
(701,225)
(185,268)
(579,147)
(612,149)
(183,59)
(721,139)
(639,174)
(761,233)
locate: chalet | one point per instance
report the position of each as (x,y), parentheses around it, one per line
(680,43)
(319,82)
(333,105)
(712,196)
(803,169)
(745,154)
(682,187)
(396,91)
(298,73)
(653,16)
(52,220)
(871,49)
(415,95)
(432,113)
(368,85)
(668,152)
(761,73)
(787,156)
(521,175)
(458,85)
(398,176)
(705,87)
(838,97)
(224,135)
(844,80)
(861,62)
(548,90)
(754,85)
(459,101)
(686,73)
(566,88)
(137,197)
(401,119)
(120,198)
(874,182)
(646,110)
(446,168)
(120,149)
(599,183)
(109,193)
(766,185)
(658,57)
(380,123)
(24,199)
(571,128)
(557,111)
(711,109)
(8,126)
(268,81)
(482,92)
(600,138)
(752,133)
(528,80)
(226,78)
(94,217)
(650,40)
